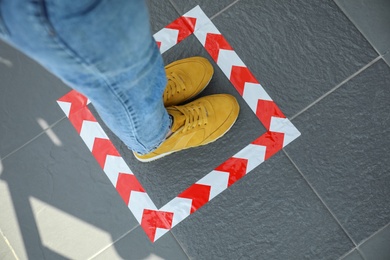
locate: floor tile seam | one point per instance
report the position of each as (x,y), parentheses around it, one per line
(33,138)
(212,17)
(342,83)
(224,9)
(113,242)
(385,53)
(9,245)
(361,253)
(350,251)
(321,199)
(383,57)
(180,244)
(372,235)
(175,7)
(347,253)
(360,31)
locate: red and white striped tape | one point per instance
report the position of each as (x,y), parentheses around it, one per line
(280,132)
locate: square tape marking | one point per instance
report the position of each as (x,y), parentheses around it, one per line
(280,132)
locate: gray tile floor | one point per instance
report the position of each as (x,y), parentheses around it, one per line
(325,196)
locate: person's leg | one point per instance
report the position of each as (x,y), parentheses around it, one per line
(105,50)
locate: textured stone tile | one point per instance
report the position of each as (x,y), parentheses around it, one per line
(372,18)
(344,149)
(209,7)
(28,92)
(57,201)
(270,214)
(136,245)
(297,49)
(377,247)
(354,255)
(161,13)
(165,178)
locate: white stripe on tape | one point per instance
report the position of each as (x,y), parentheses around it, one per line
(255,154)
(204,31)
(65,106)
(217,180)
(181,208)
(115,165)
(252,93)
(283,125)
(201,17)
(167,37)
(138,202)
(91,130)
(227,59)
(159,233)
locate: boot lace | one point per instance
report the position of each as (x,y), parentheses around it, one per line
(196,116)
(175,85)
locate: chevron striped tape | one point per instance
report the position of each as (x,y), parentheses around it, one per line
(280,132)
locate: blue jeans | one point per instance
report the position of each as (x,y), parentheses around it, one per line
(103,49)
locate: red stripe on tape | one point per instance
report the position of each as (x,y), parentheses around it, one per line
(266,109)
(239,76)
(76,99)
(198,193)
(152,219)
(126,184)
(101,148)
(77,119)
(185,26)
(236,167)
(215,42)
(272,140)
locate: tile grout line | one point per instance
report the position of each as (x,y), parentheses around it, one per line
(112,243)
(9,245)
(34,138)
(382,55)
(175,7)
(350,19)
(336,87)
(361,253)
(347,253)
(320,198)
(178,242)
(224,9)
(212,17)
(373,234)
